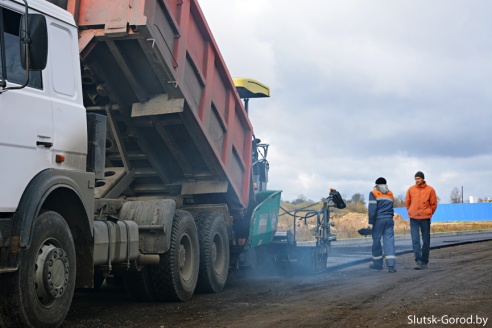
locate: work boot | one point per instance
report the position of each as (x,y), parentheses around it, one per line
(421,265)
(391,269)
(376,267)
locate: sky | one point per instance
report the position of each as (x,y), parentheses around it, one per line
(365,89)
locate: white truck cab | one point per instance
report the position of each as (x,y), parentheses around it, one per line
(42,125)
(46,195)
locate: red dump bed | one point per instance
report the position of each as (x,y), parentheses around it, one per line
(177,125)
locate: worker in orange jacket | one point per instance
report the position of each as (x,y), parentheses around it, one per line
(421,203)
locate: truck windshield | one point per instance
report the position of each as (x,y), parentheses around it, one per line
(11,51)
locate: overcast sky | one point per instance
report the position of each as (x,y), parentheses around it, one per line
(362,89)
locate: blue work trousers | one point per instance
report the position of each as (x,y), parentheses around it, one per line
(416,227)
(383,228)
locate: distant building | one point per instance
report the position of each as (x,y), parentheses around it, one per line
(473,199)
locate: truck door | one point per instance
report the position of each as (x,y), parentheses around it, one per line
(69,115)
(26,119)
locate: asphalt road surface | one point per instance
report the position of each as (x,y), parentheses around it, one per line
(456,291)
(348,252)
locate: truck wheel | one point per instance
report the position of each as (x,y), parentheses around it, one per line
(40,292)
(138,285)
(176,275)
(214,253)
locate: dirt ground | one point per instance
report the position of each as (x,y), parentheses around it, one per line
(455,291)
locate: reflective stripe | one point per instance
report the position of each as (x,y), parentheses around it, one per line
(390,257)
(377,257)
(373,202)
(385,198)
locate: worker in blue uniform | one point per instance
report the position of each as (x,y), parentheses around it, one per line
(382,224)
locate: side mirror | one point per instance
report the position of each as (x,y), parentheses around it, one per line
(37,41)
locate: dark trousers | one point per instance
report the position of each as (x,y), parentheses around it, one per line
(416,228)
(383,228)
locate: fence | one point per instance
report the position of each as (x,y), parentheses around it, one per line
(457,212)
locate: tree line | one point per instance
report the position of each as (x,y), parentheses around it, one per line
(357,203)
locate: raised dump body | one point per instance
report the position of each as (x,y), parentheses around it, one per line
(177,125)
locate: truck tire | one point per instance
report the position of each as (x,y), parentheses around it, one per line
(139,286)
(40,292)
(176,275)
(214,253)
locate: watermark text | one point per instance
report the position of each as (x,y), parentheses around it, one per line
(447,320)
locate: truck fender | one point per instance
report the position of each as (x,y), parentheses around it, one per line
(36,197)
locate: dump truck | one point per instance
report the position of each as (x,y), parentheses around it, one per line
(126,151)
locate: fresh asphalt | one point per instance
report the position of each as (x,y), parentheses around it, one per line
(349,252)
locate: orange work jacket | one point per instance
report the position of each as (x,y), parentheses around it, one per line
(421,201)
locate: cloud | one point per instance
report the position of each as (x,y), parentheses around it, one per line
(362,89)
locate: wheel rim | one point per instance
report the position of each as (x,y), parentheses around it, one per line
(51,273)
(185,258)
(218,253)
